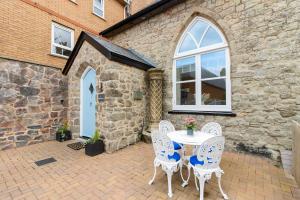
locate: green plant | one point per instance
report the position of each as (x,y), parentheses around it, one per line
(94,138)
(63,129)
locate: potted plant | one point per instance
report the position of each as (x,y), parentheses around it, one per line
(94,145)
(190,124)
(63,133)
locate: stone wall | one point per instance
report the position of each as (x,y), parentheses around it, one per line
(119,118)
(31,104)
(263,37)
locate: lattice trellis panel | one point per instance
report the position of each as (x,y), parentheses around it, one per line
(155,78)
(155,100)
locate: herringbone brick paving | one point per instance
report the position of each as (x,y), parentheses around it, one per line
(125,175)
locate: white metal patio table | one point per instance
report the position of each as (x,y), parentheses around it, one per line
(196,139)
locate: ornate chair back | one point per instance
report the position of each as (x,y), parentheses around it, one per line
(166,126)
(213,128)
(210,152)
(162,145)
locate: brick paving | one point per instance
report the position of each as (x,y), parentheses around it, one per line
(125,175)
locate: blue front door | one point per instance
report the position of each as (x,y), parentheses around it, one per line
(88,100)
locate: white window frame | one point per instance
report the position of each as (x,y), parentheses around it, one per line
(197,54)
(53,44)
(100,8)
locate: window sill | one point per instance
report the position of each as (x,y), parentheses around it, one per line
(59,56)
(99,16)
(215,113)
(73,1)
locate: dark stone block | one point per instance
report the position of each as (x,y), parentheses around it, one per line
(23,138)
(32,132)
(34,127)
(20,80)
(29,91)
(21,103)
(113,93)
(21,143)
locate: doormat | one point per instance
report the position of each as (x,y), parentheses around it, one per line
(76,145)
(45,161)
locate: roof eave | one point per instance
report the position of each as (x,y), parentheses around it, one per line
(140,16)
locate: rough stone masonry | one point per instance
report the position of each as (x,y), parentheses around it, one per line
(32,103)
(264,42)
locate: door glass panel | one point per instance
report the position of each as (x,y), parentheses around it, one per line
(211,37)
(62,37)
(213,64)
(187,44)
(213,92)
(185,69)
(185,93)
(198,29)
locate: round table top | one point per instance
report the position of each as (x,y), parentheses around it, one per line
(181,137)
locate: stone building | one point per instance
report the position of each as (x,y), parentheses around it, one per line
(230,61)
(250,53)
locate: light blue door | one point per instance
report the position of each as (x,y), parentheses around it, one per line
(88,99)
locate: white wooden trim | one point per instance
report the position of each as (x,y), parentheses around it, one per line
(81,96)
(53,44)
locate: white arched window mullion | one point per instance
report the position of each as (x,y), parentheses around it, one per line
(203,35)
(193,38)
(201,75)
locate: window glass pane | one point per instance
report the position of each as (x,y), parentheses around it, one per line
(98,3)
(58,50)
(98,11)
(185,93)
(187,44)
(185,69)
(62,37)
(66,52)
(211,37)
(213,92)
(198,29)
(213,64)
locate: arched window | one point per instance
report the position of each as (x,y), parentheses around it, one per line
(201,72)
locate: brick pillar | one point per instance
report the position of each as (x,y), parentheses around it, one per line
(155,101)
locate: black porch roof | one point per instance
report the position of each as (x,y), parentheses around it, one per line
(110,51)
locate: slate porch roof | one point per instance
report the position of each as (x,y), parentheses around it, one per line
(110,51)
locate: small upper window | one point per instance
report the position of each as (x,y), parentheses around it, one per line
(98,8)
(62,40)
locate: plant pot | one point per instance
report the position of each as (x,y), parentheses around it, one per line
(190,131)
(61,138)
(94,149)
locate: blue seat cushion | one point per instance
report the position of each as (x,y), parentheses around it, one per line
(194,161)
(175,157)
(176,146)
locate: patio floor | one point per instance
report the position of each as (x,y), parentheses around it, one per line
(125,175)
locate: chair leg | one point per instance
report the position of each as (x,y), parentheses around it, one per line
(169,174)
(202,184)
(152,180)
(219,175)
(196,183)
(185,182)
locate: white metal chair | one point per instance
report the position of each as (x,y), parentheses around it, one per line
(206,162)
(165,127)
(166,157)
(213,128)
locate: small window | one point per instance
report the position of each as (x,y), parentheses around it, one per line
(127,10)
(62,40)
(98,8)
